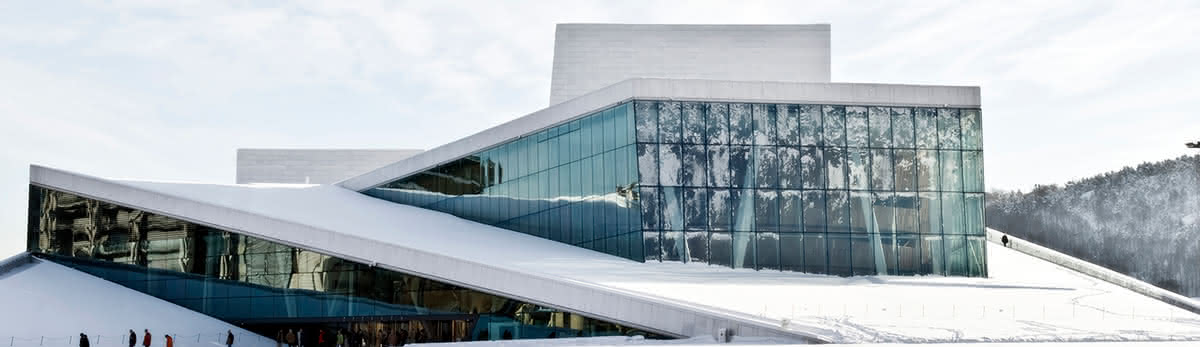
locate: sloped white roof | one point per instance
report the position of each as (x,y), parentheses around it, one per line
(1025,299)
(45,304)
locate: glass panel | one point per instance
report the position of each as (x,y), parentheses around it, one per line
(646,119)
(647,158)
(741,166)
(764,124)
(674,246)
(926,127)
(809,122)
(972,131)
(814,211)
(956,255)
(743,250)
(718,170)
(839,255)
(973,214)
(720,248)
(791,211)
(697,246)
(789,168)
(835,167)
(857,168)
(652,245)
(906,170)
(949,129)
(907,213)
(952,213)
(695,201)
(670,167)
(717,122)
(649,204)
(884,213)
(672,208)
(741,124)
(856,126)
(788,124)
(766,210)
(972,170)
(767,250)
(742,203)
(930,214)
(670,122)
(766,167)
(881,170)
(903,129)
(880,120)
(693,122)
(861,219)
(812,167)
(976,256)
(815,257)
(833,120)
(933,258)
(951,164)
(908,254)
(862,251)
(838,211)
(927,170)
(719,210)
(791,252)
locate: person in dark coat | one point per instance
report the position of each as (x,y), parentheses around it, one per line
(1004,240)
(132,338)
(229,338)
(403,336)
(83,340)
(146,339)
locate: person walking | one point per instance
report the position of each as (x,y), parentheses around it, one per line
(341,339)
(279,338)
(229,338)
(132,338)
(170,341)
(146,339)
(83,340)
(391,338)
(300,337)
(321,338)
(1004,240)
(291,338)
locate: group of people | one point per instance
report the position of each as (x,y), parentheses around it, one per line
(147,339)
(343,338)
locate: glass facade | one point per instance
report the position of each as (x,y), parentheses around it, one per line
(267,287)
(574,183)
(832,189)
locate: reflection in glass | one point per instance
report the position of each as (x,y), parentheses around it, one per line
(259,284)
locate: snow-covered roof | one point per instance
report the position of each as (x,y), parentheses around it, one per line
(673,89)
(46,304)
(1025,299)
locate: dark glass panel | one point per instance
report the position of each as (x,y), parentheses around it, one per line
(741,124)
(767,250)
(743,250)
(717,123)
(764,124)
(833,121)
(693,123)
(787,124)
(790,175)
(809,125)
(766,167)
(856,126)
(670,122)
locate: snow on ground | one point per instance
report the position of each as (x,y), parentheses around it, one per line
(1025,299)
(46,304)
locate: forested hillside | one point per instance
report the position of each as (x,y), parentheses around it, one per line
(1143,221)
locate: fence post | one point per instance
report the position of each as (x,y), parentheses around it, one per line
(42,341)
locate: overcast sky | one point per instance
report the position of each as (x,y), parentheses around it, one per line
(141,89)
